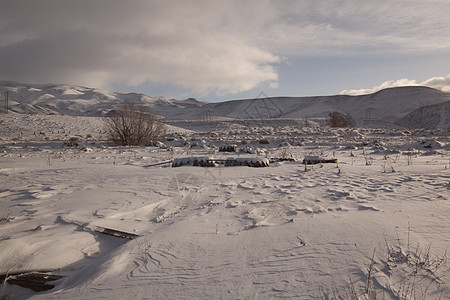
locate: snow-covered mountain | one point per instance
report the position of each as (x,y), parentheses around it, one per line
(386,106)
(79,101)
(430,116)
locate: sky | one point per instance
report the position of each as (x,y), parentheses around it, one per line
(227,49)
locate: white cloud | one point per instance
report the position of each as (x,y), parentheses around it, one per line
(440,83)
(384,85)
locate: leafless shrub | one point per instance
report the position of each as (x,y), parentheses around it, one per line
(415,272)
(337,119)
(285,154)
(49,157)
(73,141)
(264,141)
(369,160)
(388,164)
(409,159)
(306,122)
(133,125)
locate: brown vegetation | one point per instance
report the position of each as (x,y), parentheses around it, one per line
(133,125)
(337,119)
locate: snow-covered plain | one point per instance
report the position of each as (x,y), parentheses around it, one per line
(374,223)
(285,231)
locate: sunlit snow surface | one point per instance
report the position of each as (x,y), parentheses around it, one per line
(285,231)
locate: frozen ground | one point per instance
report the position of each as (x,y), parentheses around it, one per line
(286,231)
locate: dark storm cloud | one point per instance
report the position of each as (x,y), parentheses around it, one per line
(204,46)
(102,42)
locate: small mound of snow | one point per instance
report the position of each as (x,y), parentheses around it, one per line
(72,92)
(46,96)
(228,148)
(202,161)
(430,144)
(247,161)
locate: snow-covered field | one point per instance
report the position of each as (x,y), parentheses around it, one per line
(285,231)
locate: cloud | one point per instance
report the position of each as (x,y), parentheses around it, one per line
(102,43)
(440,83)
(334,27)
(203,46)
(384,85)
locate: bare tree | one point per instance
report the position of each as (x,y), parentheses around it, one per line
(337,119)
(134,124)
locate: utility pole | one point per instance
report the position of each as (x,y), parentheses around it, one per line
(206,115)
(6,102)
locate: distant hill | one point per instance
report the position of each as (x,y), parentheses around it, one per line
(384,107)
(430,116)
(387,105)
